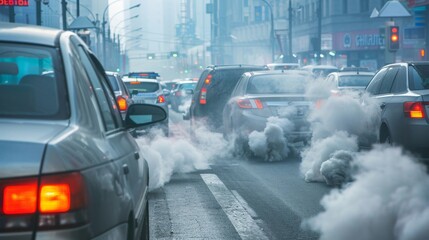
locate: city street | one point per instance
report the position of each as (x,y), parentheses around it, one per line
(233,199)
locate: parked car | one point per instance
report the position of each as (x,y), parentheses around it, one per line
(182,95)
(402,90)
(145,90)
(123,96)
(349,81)
(260,95)
(213,90)
(320,71)
(69,167)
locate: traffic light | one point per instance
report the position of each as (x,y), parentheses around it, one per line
(174,54)
(150,56)
(393,38)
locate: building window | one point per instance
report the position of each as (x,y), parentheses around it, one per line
(345,6)
(245,3)
(326,4)
(364,6)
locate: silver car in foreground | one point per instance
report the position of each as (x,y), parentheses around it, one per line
(402,90)
(69,169)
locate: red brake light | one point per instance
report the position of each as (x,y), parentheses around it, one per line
(122,103)
(250,103)
(20,198)
(203,95)
(414,109)
(161,99)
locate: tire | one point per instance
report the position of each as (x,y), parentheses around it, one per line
(385,136)
(145,235)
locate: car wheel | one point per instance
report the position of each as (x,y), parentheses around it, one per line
(145,231)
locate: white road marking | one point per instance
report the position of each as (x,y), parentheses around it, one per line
(246,206)
(245,226)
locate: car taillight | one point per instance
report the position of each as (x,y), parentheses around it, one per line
(203,96)
(161,99)
(250,103)
(414,109)
(60,201)
(122,103)
(20,197)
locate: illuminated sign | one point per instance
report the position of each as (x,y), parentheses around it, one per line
(17,3)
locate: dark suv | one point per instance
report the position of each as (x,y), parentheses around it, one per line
(213,90)
(402,90)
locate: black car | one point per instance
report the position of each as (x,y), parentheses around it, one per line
(213,90)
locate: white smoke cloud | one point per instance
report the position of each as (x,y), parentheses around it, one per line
(337,169)
(321,150)
(388,199)
(169,155)
(271,144)
(340,122)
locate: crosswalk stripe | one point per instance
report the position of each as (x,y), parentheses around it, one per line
(243,223)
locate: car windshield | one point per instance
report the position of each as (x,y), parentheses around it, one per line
(142,87)
(354,80)
(277,84)
(30,86)
(419,77)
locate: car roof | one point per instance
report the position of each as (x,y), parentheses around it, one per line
(281,72)
(185,82)
(237,66)
(132,79)
(319,67)
(347,73)
(13,32)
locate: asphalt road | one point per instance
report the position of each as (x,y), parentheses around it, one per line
(235,199)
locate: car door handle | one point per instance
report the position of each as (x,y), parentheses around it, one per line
(125,169)
(383,105)
(136,155)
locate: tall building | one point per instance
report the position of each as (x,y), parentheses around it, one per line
(343,35)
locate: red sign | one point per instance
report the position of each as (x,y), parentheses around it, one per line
(17,3)
(416,3)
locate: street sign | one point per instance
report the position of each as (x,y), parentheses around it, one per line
(14,3)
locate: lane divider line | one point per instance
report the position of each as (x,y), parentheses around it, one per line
(243,223)
(246,206)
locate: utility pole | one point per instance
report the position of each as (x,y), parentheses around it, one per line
(77,8)
(64,13)
(39,12)
(11,14)
(290,54)
(319,32)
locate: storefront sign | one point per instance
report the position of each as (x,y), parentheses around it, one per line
(359,40)
(416,3)
(17,3)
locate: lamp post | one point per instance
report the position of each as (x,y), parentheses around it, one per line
(126,19)
(272,30)
(104,26)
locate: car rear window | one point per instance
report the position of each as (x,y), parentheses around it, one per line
(354,80)
(113,82)
(31,84)
(143,87)
(277,84)
(187,85)
(419,77)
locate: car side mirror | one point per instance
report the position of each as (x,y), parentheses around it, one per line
(166,92)
(143,114)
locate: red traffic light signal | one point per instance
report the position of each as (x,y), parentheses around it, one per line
(393,42)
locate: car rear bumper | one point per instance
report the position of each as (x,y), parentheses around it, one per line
(83,232)
(414,137)
(248,123)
